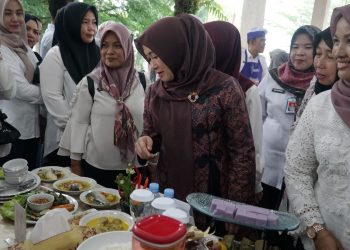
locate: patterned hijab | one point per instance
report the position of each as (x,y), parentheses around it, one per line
(340,93)
(16,42)
(118,82)
(78,57)
(227,42)
(287,73)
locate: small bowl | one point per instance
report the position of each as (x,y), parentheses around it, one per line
(15,171)
(15,166)
(15,179)
(40,202)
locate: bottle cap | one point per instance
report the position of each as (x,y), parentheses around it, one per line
(169,192)
(154,187)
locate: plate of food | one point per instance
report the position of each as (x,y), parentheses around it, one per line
(107,220)
(60,201)
(100,197)
(74,185)
(51,173)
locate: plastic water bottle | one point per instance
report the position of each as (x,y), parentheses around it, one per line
(154,188)
(169,192)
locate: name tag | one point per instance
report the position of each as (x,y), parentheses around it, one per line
(280,91)
(291,105)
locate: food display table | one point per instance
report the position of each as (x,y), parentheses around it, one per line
(7,227)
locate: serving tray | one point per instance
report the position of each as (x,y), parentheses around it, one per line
(202,203)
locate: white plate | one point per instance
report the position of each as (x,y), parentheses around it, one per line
(91,183)
(65,172)
(71,201)
(110,213)
(111,191)
(105,241)
(8,194)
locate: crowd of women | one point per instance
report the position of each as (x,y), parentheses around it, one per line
(201,127)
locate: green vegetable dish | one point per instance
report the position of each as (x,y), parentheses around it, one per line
(7,210)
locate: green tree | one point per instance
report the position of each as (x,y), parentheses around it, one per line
(137,15)
(39,8)
(199,7)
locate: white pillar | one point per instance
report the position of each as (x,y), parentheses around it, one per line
(319,13)
(253,15)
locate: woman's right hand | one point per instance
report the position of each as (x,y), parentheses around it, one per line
(143,147)
(325,240)
(76,167)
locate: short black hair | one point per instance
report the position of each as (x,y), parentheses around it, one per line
(55,5)
(28,17)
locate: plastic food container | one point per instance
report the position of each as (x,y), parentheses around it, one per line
(158,232)
(177,214)
(161,204)
(140,203)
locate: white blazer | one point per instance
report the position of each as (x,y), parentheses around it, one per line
(57,88)
(23,109)
(277,122)
(89,132)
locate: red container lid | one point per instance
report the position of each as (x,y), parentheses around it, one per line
(159,229)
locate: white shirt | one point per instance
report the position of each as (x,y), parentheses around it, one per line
(89,132)
(250,58)
(46,40)
(253,104)
(57,89)
(23,109)
(277,122)
(7,91)
(317,171)
(7,81)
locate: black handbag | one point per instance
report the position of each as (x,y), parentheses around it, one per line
(8,133)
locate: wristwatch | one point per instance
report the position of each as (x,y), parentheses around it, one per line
(312,231)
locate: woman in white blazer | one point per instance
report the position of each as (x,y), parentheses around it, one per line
(281,92)
(74,56)
(105,122)
(23,109)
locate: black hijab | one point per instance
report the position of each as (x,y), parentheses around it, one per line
(78,57)
(325,36)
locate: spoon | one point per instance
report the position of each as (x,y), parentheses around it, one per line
(96,198)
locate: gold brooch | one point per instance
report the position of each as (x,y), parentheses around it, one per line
(193,97)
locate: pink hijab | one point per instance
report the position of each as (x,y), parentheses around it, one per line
(16,42)
(118,83)
(340,93)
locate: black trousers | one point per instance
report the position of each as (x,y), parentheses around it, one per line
(53,159)
(272,196)
(26,149)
